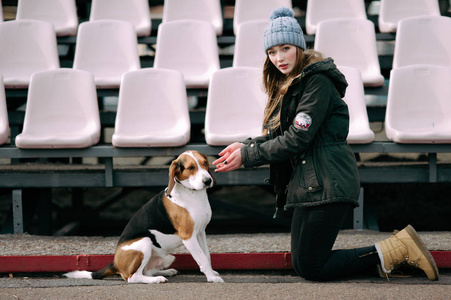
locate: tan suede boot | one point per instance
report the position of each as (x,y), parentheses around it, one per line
(406,247)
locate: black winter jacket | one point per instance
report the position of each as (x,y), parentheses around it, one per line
(311,162)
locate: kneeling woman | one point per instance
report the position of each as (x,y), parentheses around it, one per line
(313,168)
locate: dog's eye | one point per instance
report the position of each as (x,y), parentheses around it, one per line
(206,163)
(191,168)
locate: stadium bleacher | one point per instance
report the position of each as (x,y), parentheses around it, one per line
(104,173)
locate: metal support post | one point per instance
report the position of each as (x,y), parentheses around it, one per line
(17,212)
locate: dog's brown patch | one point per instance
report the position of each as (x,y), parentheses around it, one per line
(127,262)
(180,219)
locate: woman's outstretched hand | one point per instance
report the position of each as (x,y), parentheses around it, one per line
(230,158)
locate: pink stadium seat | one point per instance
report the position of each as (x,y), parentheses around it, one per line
(418,105)
(423,40)
(26,47)
(322,10)
(152,110)
(359,125)
(249,50)
(393,11)
(107,49)
(190,47)
(201,10)
(4,124)
(136,12)
(62,14)
(252,10)
(351,43)
(235,106)
(61,112)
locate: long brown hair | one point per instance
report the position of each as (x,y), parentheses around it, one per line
(276,84)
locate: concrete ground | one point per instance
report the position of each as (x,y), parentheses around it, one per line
(238,285)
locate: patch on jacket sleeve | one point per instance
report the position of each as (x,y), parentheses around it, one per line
(302,121)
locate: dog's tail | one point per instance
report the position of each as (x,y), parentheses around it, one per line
(105,272)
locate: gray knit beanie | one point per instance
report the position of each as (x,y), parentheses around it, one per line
(283,29)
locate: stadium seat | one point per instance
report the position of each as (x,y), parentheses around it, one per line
(61,112)
(4,124)
(235,106)
(393,11)
(26,47)
(418,105)
(152,110)
(61,13)
(322,10)
(351,43)
(252,10)
(107,49)
(249,51)
(201,10)
(359,125)
(136,12)
(190,47)
(423,40)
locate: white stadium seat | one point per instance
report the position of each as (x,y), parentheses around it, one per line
(418,105)
(393,11)
(107,49)
(152,110)
(4,124)
(359,125)
(62,14)
(190,47)
(249,51)
(26,47)
(61,112)
(351,43)
(323,10)
(235,106)
(136,12)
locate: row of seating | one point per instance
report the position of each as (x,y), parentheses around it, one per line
(108,48)
(62,110)
(63,14)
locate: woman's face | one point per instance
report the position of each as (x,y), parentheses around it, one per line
(283,57)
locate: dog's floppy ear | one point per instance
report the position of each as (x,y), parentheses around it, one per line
(173,169)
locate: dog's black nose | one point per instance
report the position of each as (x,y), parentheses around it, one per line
(207,181)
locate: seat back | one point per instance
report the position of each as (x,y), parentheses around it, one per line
(322,10)
(4,123)
(393,11)
(352,43)
(62,14)
(423,40)
(107,49)
(136,12)
(249,51)
(235,105)
(359,125)
(418,105)
(152,110)
(61,112)
(201,10)
(26,47)
(189,47)
(251,10)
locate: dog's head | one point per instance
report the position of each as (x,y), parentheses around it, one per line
(191,169)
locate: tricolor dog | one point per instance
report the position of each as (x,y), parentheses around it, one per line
(177,216)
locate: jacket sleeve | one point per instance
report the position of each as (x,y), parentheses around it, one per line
(310,113)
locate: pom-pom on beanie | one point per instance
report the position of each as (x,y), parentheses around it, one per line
(283,29)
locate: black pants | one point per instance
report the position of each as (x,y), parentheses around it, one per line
(313,234)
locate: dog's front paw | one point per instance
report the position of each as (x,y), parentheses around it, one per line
(216,279)
(216,273)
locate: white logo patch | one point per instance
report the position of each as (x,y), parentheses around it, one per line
(302,121)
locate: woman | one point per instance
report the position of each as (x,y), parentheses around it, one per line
(312,167)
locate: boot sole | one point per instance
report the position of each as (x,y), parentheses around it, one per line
(413,234)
